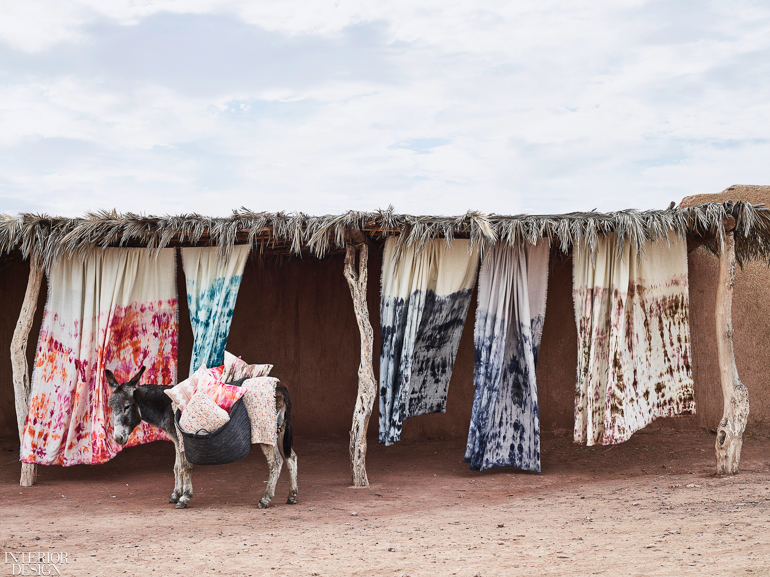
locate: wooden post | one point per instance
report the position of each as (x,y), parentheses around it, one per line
(736,396)
(367,387)
(21,384)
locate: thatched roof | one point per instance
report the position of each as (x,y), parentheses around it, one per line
(752,193)
(46,239)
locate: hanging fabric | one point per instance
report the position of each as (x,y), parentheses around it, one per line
(116,310)
(425,299)
(632,314)
(212,288)
(505,421)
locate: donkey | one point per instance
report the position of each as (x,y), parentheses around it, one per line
(132,403)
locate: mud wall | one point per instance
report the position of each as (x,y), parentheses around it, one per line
(751,324)
(14,273)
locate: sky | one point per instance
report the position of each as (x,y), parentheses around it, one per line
(432,107)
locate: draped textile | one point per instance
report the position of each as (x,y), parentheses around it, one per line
(505,422)
(212,288)
(425,299)
(632,315)
(116,310)
(259,398)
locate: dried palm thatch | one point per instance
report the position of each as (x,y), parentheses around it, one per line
(45,239)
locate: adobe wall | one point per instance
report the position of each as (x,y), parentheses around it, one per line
(751,324)
(13,283)
(297,314)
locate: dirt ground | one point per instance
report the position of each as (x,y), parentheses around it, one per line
(648,507)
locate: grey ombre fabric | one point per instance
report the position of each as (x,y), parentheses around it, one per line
(212,288)
(425,299)
(505,423)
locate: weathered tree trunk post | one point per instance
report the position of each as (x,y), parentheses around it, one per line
(367,387)
(21,384)
(736,396)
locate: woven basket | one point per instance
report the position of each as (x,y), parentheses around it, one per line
(230,442)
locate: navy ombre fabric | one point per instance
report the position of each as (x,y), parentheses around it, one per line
(505,423)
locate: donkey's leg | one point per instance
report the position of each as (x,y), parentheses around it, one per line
(187,487)
(178,483)
(274,464)
(291,463)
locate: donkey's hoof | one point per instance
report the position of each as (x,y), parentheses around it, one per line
(173,498)
(262,505)
(292,500)
(181,505)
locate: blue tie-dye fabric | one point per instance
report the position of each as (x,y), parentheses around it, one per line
(416,367)
(211,315)
(421,329)
(505,422)
(212,289)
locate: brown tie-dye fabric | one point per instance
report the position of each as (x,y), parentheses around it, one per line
(633,326)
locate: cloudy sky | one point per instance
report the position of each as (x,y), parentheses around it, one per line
(433,107)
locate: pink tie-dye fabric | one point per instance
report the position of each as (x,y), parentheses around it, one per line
(116,310)
(223,395)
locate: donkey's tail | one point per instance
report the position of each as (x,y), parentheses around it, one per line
(288,438)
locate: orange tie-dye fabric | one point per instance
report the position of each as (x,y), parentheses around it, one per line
(116,310)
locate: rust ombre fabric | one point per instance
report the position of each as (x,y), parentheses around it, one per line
(115,310)
(632,314)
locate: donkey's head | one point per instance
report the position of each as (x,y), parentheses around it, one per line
(125,411)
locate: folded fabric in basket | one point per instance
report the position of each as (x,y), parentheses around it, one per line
(203,414)
(237,369)
(182,393)
(259,398)
(223,395)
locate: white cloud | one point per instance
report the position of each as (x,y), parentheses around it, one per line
(432,107)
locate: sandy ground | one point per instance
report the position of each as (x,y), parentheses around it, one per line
(648,507)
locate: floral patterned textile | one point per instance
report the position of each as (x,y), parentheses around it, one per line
(212,288)
(202,415)
(223,395)
(116,310)
(259,398)
(632,315)
(236,369)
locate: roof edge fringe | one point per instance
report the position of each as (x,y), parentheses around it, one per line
(46,239)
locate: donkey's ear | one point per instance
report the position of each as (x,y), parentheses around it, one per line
(137,377)
(111,380)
